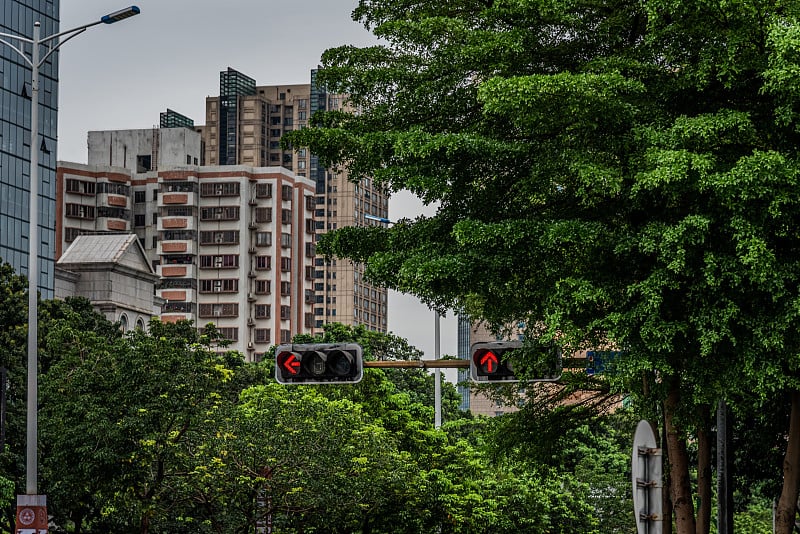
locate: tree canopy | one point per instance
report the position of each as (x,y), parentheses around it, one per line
(623,173)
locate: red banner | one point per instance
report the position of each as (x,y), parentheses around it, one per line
(31,514)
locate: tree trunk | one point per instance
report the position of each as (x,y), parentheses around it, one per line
(704,472)
(681,485)
(787,504)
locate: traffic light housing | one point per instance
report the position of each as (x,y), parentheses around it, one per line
(319,363)
(490,361)
(493,362)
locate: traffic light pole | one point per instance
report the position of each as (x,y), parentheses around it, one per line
(419,364)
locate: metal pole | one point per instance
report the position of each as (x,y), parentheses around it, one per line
(724,479)
(33,275)
(437,376)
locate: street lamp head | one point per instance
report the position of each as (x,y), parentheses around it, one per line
(122,14)
(376,218)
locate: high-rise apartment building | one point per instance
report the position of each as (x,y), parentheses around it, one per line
(233,245)
(17,17)
(244,125)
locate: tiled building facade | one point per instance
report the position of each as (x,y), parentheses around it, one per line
(244,126)
(17,18)
(233,245)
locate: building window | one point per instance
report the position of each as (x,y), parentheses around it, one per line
(263,215)
(71,233)
(229,333)
(263,190)
(222,213)
(286,192)
(80,187)
(286,216)
(263,239)
(221,261)
(263,287)
(286,289)
(286,312)
(286,336)
(219,189)
(263,311)
(286,264)
(230,285)
(228,237)
(179,187)
(177,283)
(311,250)
(144,163)
(263,335)
(263,263)
(286,240)
(113,188)
(79,211)
(229,309)
(310,270)
(108,212)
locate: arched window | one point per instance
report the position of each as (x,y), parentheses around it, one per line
(140,324)
(123,323)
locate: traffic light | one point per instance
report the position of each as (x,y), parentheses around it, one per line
(319,363)
(490,361)
(494,362)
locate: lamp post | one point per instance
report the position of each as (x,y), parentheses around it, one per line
(35,61)
(437,373)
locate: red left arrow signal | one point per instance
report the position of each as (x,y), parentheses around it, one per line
(291,363)
(489,361)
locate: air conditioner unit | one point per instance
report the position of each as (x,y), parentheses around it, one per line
(251,274)
(252,250)
(217,313)
(251,321)
(251,297)
(253,201)
(250,346)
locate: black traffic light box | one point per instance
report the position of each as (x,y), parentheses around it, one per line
(493,361)
(319,363)
(490,361)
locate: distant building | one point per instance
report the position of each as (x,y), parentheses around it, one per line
(113,272)
(15,141)
(233,245)
(173,119)
(244,125)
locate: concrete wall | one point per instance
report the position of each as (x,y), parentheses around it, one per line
(121,148)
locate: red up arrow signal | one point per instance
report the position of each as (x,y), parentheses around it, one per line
(489,361)
(291,364)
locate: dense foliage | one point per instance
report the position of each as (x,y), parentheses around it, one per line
(167,431)
(620,172)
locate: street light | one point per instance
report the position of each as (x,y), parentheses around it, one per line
(52,43)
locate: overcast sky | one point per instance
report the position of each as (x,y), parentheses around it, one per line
(122,76)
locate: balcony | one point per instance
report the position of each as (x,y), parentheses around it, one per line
(173,247)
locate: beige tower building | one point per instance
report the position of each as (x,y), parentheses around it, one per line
(232,245)
(244,126)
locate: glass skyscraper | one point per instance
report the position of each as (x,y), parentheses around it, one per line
(17,17)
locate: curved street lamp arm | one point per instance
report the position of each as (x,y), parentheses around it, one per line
(15,48)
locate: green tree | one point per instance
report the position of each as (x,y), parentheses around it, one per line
(13,339)
(119,419)
(624,172)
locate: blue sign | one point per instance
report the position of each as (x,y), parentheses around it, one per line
(598,360)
